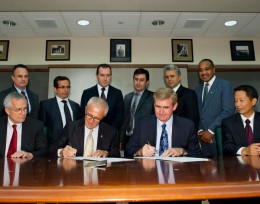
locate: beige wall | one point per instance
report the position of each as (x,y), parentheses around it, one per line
(31,51)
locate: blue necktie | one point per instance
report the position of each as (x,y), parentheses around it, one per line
(206,90)
(163,140)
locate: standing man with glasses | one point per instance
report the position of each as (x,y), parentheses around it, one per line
(90,137)
(164,134)
(20,77)
(56,112)
(215,102)
(112,95)
(20,136)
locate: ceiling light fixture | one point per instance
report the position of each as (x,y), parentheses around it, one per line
(9,23)
(83,22)
(158,22)
(230,23)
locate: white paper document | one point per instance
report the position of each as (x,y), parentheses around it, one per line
(176,159)
(108,159)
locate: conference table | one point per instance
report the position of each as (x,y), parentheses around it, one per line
(139,180)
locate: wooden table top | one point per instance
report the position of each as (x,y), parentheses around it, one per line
(63,180)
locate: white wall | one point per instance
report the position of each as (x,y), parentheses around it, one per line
(31,51)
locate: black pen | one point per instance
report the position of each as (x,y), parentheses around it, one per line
(148,143)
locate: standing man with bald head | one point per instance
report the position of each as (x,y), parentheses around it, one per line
(20,77)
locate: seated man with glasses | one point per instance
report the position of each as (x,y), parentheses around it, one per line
(20,136)
(90,137)
(57,111)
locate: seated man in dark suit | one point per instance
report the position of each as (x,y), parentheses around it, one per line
(56,112)
(163,134)
(90,136)
(241,131)
(20,77)
(112,95)
(187,98)
(20,136)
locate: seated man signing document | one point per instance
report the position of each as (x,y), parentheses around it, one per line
(90,137)
(164,134)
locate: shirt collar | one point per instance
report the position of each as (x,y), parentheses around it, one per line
(176,88)
(10,123)
(60,99)
(210,82)
(100,87)
(168,123)
(251,118)
(19,90)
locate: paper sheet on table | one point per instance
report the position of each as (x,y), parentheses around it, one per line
(108,159)
(176,159)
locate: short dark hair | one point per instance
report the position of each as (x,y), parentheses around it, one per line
(19,66)
(59,78)
(251,92)
(209,61)
(142,71)
(105,66)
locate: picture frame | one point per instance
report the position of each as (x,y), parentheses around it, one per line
(182,50)
(242,50)
(57,50)
(120,50)
(4,47)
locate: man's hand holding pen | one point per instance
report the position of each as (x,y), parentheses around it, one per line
(68,151)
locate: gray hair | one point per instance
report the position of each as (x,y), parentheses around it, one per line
(165,93)
(172,67)
(99,103)
(10,96)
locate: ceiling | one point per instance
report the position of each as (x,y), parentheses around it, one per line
(130,18)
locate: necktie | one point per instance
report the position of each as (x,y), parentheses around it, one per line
(13,143)
(66,111)
(103,93)
(89,144)
(249,132)
(11,168)
(23,93)
(163,140)
(130,124)
(206,90)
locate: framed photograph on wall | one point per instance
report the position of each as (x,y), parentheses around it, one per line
(4,46)
(120,50)
(182,50)
(57,50)
(242,50)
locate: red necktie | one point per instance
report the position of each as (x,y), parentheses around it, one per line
(11,168)
(13,144)
(249,132)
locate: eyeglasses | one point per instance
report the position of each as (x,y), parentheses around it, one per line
(63,87)
(90,117)
(19,110)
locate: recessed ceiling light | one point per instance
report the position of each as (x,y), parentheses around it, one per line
(230,23)
(158,22)
(83,22)
(9,23)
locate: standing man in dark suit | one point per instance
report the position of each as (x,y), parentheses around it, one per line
(235,128)
(52,112)
(163,134)
(215,102)
(90,136)
(20,77)
(109,93)
(187,98)
(137,104)
(20,136)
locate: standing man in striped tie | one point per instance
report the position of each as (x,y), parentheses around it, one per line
(241,131)
(164,134)
(20,77)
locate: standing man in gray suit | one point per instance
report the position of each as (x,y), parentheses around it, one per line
(215,102)
(137,104)
(20,77)
(52,111)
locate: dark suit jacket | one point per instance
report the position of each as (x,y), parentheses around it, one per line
(219,105)
(33,138)
(233,133)
(33,98)
(115,102)
(187,105)
(49,114)
(183,135)
(74,133)
(145,107)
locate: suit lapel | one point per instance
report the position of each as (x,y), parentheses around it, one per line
(212,92)
(81,134)
(142,100)
(239,128)
(57,110)
(257,127)
(3,132)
